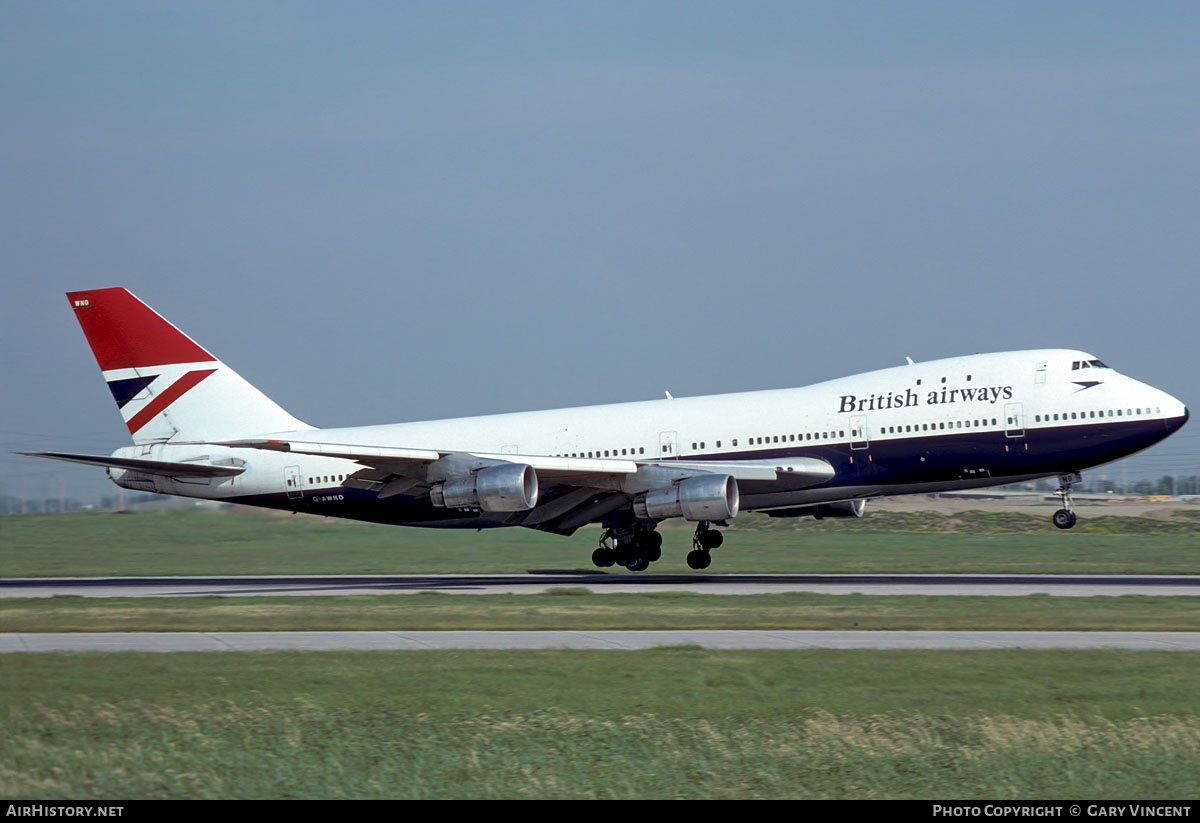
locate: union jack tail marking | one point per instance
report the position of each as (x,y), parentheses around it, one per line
(167,386)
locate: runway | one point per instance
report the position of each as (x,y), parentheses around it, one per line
(594,640)
(602,583)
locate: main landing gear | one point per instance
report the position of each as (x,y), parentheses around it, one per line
(1064,518)
(634,548)
(704,540)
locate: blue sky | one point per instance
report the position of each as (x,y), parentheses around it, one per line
(397,211)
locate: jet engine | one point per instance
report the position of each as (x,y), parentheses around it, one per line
(835,511)
(824,511)
(704,497)
(508,488)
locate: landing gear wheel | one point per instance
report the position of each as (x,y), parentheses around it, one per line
(706,537)
(1064,519)
(625,554)
(698,559)
(603,557)
(632,545)
(649,543)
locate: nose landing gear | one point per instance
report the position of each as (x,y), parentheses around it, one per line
(1065,518)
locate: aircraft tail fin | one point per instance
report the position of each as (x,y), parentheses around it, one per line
(168,387)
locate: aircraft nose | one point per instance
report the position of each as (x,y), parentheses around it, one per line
(1174,424)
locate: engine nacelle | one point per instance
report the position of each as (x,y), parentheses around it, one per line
(835,511)
(824,511)
(706,497)
(510,488)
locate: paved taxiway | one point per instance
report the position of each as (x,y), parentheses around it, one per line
(601,583)
(619,640)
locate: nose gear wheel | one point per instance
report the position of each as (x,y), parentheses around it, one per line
(1065,518)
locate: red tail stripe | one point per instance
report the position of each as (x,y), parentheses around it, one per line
(160,402)
(125,333)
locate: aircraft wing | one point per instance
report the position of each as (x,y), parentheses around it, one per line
(573,490)
(418,459)
(580,470)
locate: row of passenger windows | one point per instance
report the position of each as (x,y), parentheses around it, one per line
(793,438)
(1047,418)
(327,478)
(630,452)
(924,427)
(701,445)
(765,440)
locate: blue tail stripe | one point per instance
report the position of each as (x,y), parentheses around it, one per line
(125,390)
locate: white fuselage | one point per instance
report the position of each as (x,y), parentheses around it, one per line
(961,422)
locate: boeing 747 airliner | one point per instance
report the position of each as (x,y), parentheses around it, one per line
(200,430)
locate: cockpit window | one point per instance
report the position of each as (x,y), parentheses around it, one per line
(1087,364)
(1096,364)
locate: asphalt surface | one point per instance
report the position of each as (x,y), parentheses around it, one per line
(611,640)
(283,585)
(602,583)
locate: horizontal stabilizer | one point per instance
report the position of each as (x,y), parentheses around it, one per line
(160,467)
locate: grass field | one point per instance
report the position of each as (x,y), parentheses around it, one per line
(680,722)
(207,542)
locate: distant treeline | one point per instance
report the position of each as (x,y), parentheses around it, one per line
(55,505)
(1092,521)
(1167,484)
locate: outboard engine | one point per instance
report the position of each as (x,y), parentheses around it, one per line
(824,511)
(835,511)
